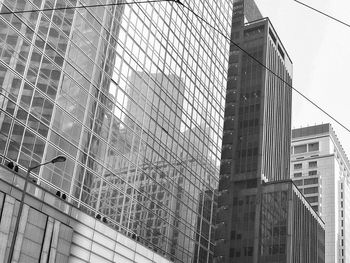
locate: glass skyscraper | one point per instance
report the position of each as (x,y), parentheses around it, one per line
(133,95)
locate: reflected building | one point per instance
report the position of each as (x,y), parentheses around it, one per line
(321,170)
(255,197)
(153,216)
(133,96)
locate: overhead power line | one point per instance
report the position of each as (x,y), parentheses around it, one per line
(213,27)
(84,6)
(267,68)
(322,13)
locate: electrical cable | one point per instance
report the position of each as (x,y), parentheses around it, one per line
(213,27)
(322,13)
(83,6)
(268,69)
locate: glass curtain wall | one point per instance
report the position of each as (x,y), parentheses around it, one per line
(133,96)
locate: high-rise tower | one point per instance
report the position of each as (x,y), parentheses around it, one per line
(133,96)
(258,105)
(256,149)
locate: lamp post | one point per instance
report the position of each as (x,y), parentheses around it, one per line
(57,159)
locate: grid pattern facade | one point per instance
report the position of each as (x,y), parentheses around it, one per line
(321,170)
(290,230)
(133,96)
(286,228)
(256,140)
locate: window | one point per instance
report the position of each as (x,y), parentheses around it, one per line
(300,149)
(311,181)
(314,172)
(233,234)
(297,174)
(312,199)
(313,164)
(282,248)
(298,166)
(298,182)
(248,251)
(311,190)
(313,146)
(280,51)
(272,36)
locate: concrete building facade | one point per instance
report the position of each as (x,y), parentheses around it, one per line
(320,169)
(253,211)
(291,231)
(53,230)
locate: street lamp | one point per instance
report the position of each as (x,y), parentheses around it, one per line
(57,159)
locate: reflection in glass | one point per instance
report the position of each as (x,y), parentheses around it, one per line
(133,96)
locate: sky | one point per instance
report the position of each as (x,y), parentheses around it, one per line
(320,50)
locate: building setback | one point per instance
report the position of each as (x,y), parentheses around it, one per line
(321,170)
(133,96)
(256,153)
